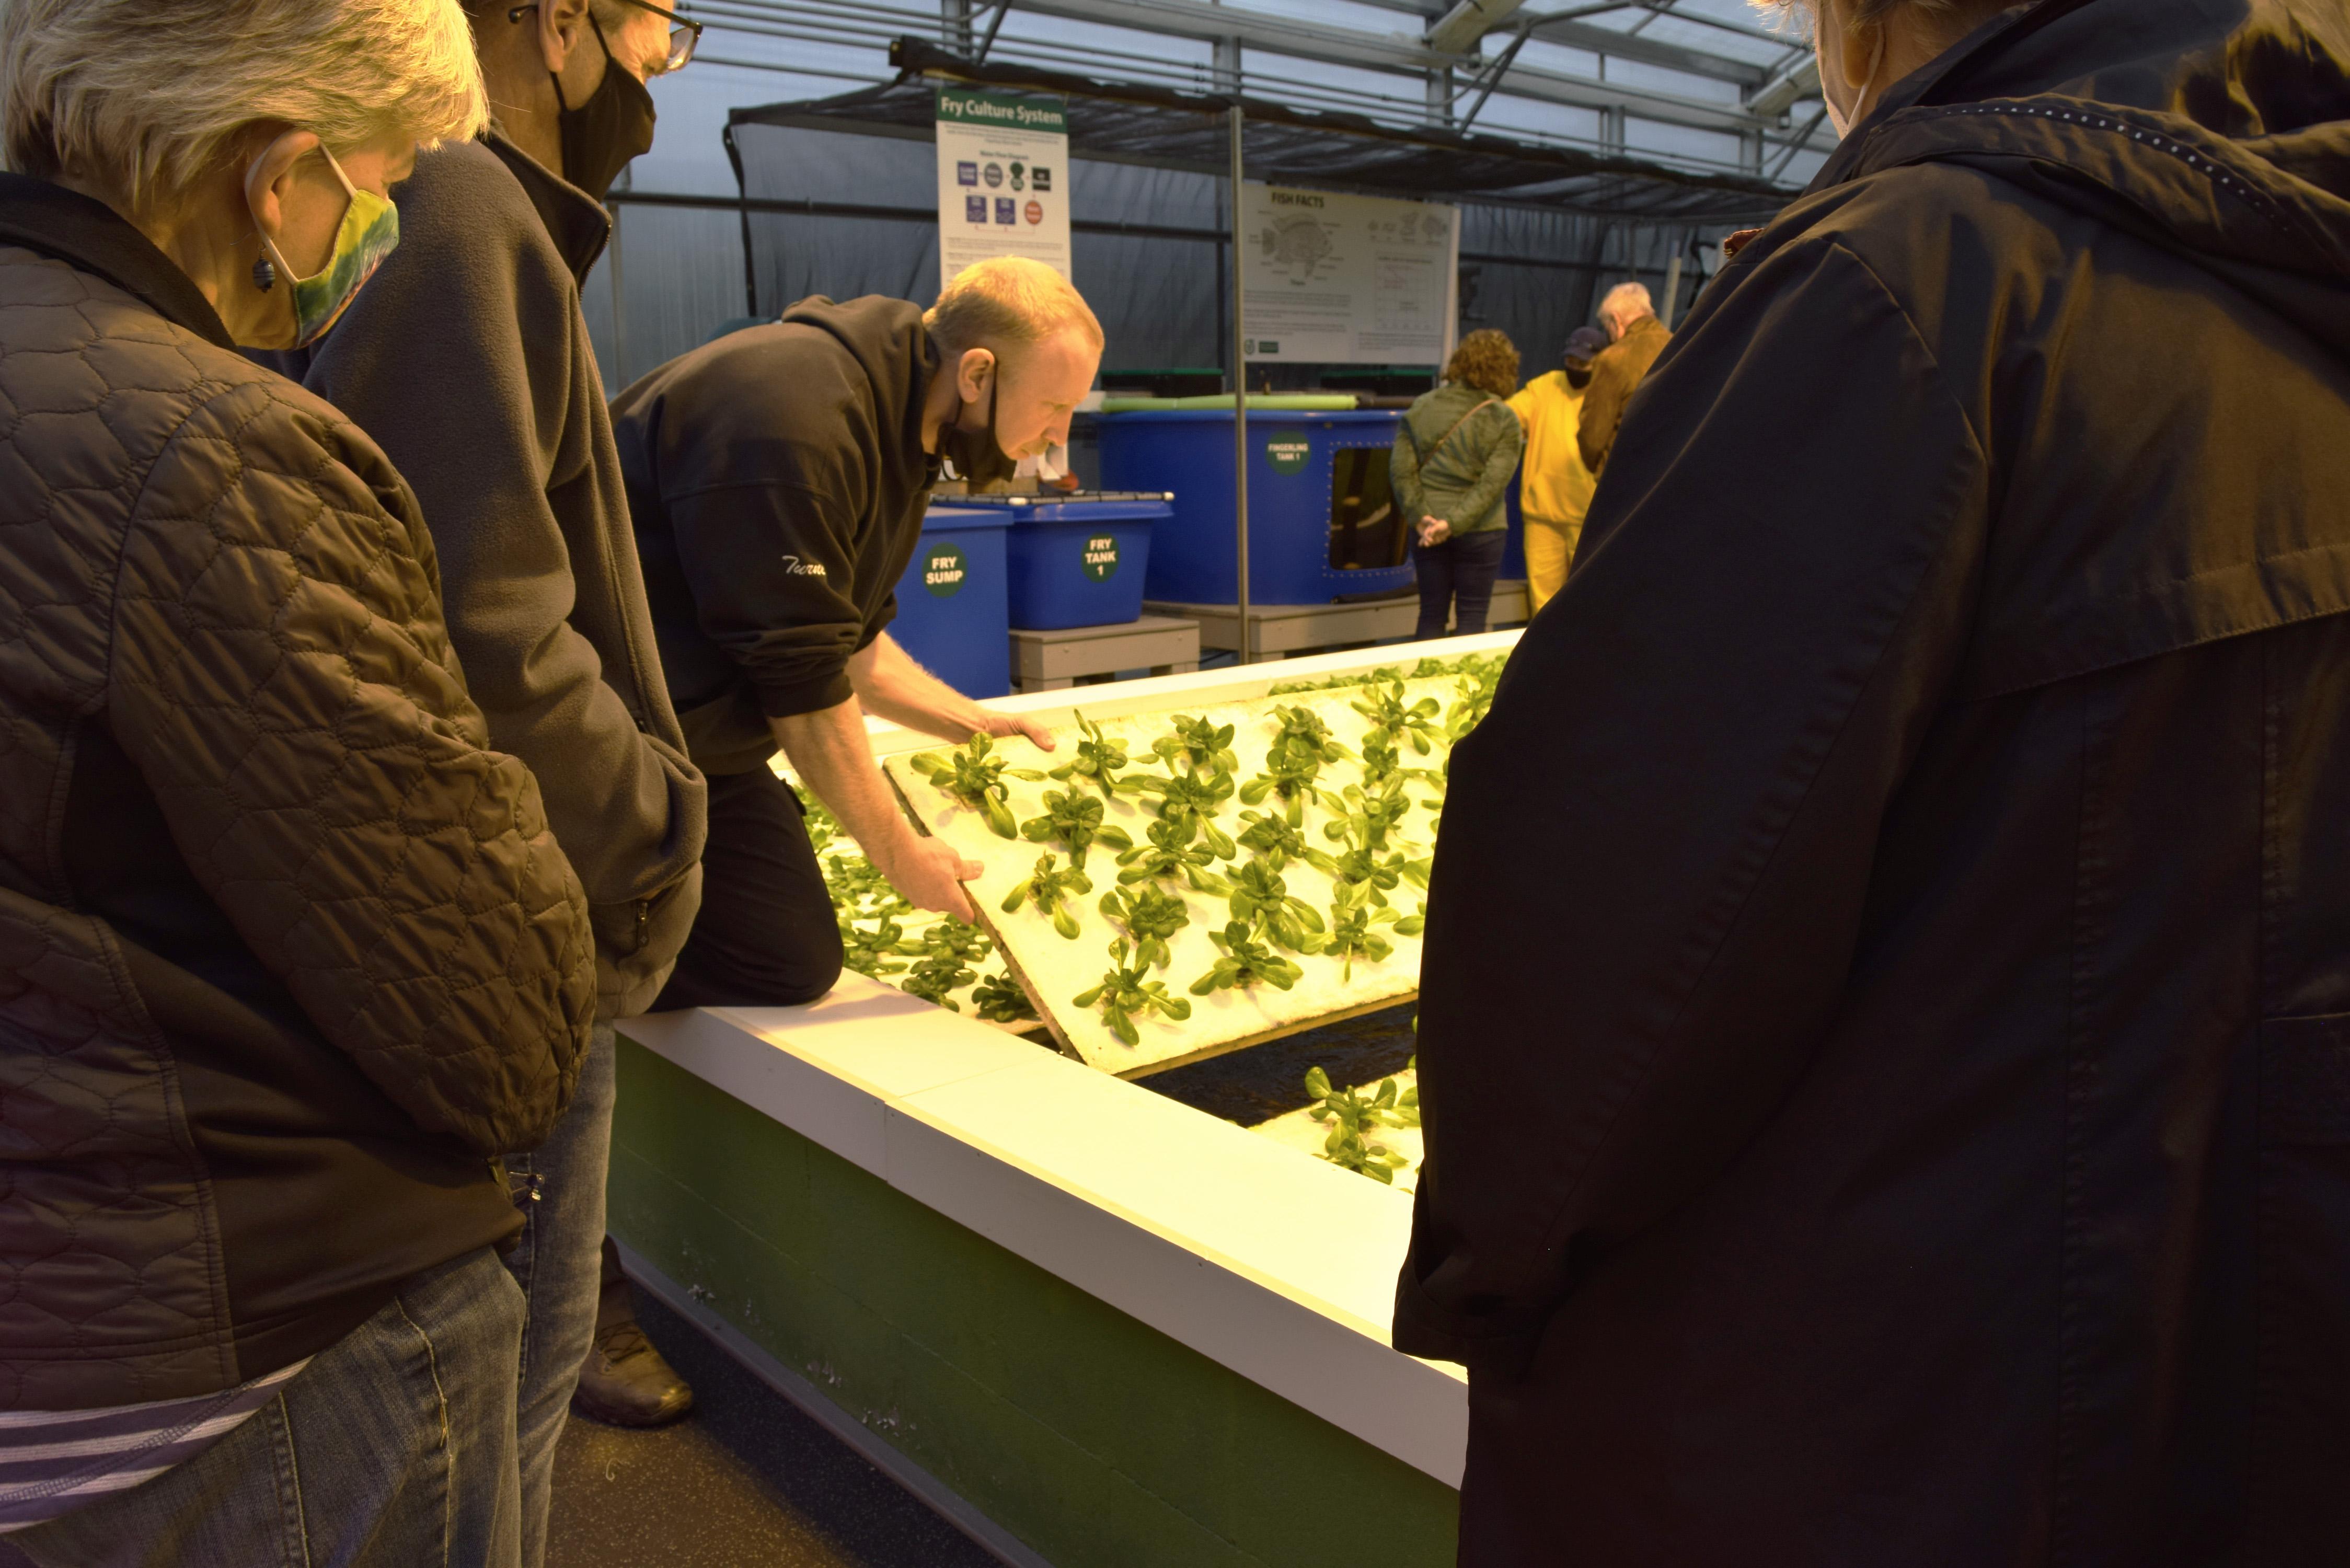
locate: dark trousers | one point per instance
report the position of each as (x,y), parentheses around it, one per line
(766,936)
(1459,571)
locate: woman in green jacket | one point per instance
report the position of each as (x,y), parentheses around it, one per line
(1452,460)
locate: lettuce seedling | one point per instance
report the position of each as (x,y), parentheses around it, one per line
(869,951)
(1476,700)
(1385,708)
(1383,762)
(1352,1116)
(976,779)
(1280,841)
(1000,999)
(1303,728)
(936,977)
(1099,760)
(1149,918)
(1046,890)
(1170,853)
(1194,798)
(852,879)
(1126,992)
(1199,742)
(1244,960)
(1364,817)
(1290,769)
(1074,821)
(1412,926)
(1355,923)
(958,940)
(1260,894)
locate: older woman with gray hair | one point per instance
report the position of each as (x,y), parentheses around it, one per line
(287,955)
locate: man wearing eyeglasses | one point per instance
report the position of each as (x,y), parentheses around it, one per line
(468,360)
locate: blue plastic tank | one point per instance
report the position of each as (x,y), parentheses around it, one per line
(1078,560)
(1320,519)
(954,605)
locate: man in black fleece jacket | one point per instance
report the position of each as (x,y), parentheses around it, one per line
(778,478)
(467,358)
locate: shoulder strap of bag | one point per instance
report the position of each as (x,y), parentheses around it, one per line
(1455,430)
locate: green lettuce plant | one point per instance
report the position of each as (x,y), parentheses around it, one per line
(869,951)
(1290,770)
(1169,853)
(1074,822)
(1384,707)
(1383,762)
(1099,760)
(1197,743)
(936,977)
(851,880)
(1353,1117)
(1242,960)
(975,777)
(1412,925)
(1365,818)
(1046,889)
(1127,992)
(1260,895)
(1355,923)
(1000,999)
(1197,799)
(1149,918)
(1272,836)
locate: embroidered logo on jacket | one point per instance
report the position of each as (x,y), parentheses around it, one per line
(800,568)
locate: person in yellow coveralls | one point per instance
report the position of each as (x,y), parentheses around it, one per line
(1554,486)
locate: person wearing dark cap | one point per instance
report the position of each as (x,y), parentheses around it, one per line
(1555,485)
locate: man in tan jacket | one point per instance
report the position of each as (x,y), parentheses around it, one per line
(1631,320)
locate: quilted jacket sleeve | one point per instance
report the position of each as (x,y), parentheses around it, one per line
(283,679)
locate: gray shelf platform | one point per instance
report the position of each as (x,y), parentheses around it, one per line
(1052,660)
(1277,631)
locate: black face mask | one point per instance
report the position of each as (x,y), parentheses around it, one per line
(978,457)
(1577,379)
(614,125)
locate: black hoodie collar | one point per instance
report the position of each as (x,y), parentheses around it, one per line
(91,236)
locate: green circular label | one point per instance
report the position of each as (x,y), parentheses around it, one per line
(1101,558)
(1287,453)
(944,567)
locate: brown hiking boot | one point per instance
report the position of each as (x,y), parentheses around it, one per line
(624,1382)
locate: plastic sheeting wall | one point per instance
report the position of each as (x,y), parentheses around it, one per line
(1159,287)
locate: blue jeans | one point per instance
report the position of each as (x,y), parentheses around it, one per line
(559,1263)
(1459,572)
(393,1448)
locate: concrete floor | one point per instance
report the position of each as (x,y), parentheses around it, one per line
(746,1479)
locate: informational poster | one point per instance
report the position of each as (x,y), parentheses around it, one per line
(1349,280)
(1003,179)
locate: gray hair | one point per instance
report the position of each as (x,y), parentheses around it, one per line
(1627,302)
(1951,19)
(141,97)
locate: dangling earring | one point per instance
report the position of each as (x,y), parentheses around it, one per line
(265,275)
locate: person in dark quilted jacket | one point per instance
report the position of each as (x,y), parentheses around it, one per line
(289,955)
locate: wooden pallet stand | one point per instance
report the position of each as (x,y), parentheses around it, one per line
(1281,631)
(1053,661)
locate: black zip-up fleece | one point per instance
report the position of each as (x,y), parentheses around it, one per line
(777,481)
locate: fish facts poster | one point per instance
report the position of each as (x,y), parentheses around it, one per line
(1348,280)
(1003,179)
